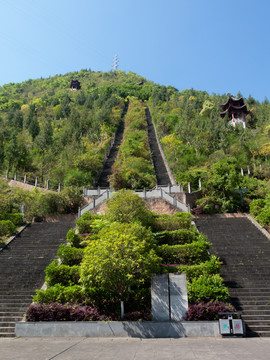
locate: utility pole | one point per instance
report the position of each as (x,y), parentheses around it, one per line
(115,62)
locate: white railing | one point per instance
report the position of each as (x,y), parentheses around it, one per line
(145,194)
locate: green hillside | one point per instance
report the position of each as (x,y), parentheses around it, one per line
(51,132)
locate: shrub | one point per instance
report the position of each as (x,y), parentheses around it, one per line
(7,228)
(171,222)
(62,274)
(176,237)
(208,311)
(206,288)
(210,267)
(16,219)
(74,239)
(70,255)
(126,207)
(86,224)
(60,294)
(65,312)
(256,206)
(193,253)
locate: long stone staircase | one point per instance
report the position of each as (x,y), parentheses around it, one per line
(159,166)
(103,179)
(22,265)
(245,253)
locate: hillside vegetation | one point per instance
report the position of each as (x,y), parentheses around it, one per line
(51,132)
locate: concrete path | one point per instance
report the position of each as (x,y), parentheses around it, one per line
(135,349)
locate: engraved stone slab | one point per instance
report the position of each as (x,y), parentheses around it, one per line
(160,298)
(178,296)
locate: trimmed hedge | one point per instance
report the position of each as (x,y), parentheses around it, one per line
(207,287)
(207,311)
(194,253)
(84,224)
(62,274)
(74,239)
(60,294)
(70,255)
(210,267)
(167,222)
(65,312)
(7,228)
(177,237)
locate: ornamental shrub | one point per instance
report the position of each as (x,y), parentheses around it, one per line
(86,222)
(65,312)
(74,239)
(70,255)
(210,267)
(171,222)
(60,294)
(7,228)
(208,311)
(177,237)
(206,288)
(193,253)
(62,274)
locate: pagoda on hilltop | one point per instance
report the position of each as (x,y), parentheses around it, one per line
(236,110)
(75,85)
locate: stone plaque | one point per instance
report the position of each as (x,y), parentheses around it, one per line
(160,298)
(178,296)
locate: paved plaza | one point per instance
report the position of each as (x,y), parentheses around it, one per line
(135,349)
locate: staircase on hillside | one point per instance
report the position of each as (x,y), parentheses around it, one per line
(22,265)
(160,168)
(245,253)
(103,179)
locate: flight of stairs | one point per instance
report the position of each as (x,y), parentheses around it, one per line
(159,166)
(22,266)
(245,253)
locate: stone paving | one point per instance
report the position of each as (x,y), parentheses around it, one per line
(135,349)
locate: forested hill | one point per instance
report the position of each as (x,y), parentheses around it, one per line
(51,132)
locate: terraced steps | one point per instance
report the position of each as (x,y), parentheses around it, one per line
(245,253)
(22,266)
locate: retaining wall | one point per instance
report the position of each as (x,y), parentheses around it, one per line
(118,329)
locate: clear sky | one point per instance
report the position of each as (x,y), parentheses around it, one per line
(212,45)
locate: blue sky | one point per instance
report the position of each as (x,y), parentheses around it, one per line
(212,45)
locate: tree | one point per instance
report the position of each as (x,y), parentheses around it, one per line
(121,259)
(126,207)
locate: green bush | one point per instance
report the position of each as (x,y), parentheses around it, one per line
(60,294)
(210,267)
(62,274)
(171,222)
(16,218)
(256,206)
(70,255)
(206,288)
(264,216)
(7,228)
(193,253)
(86,223)
(73,238)
(176,237)
(126,207)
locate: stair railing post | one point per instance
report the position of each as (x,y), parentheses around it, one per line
(189,188)
(242,172)
(47,186)
(98,190)
(248,170)
(181,187)
(169,188)
(15,176)
(36,182)
(79,212)
(200,184)
(24,179)
(59,187)
(94,203)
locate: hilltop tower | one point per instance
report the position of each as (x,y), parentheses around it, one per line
(236,109)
